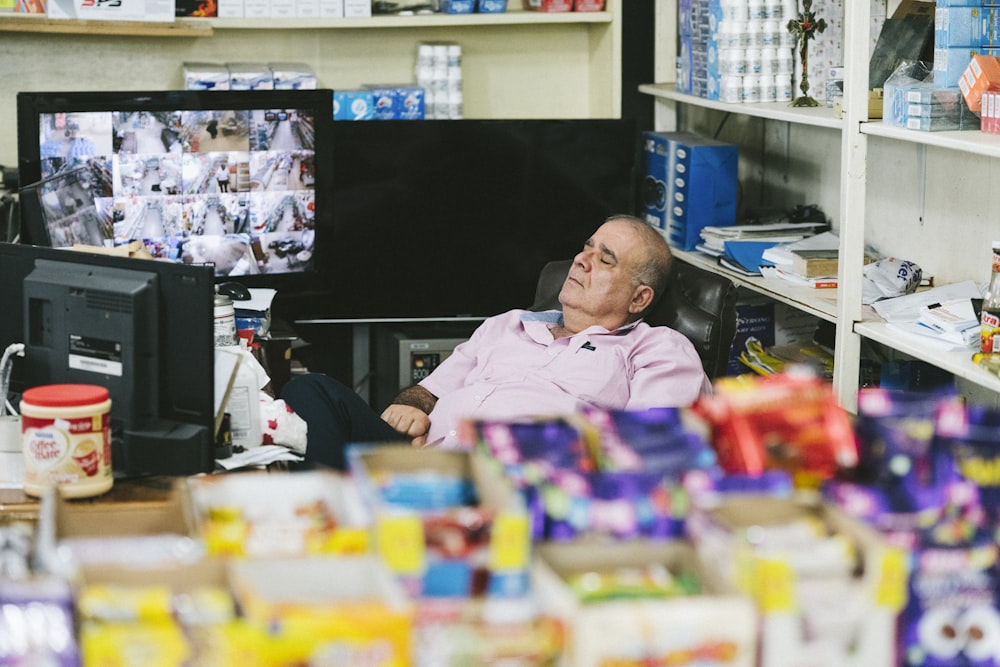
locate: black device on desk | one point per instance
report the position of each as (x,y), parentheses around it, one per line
(141,328)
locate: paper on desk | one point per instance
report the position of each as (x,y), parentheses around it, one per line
(258,456)
(907,308)
(260,299)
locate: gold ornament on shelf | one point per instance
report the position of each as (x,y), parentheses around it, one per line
(805,28)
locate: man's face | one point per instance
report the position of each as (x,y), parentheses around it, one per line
(601,283)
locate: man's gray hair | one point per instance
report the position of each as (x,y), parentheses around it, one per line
(653,268)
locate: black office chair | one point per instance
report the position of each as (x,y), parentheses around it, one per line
(698,303)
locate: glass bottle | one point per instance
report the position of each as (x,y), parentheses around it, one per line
(990,320)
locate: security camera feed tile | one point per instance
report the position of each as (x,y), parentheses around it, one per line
(230,188)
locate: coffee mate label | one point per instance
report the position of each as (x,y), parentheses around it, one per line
(72,453)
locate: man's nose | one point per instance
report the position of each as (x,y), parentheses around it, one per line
(583,260)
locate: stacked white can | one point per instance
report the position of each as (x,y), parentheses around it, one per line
(755,51)
(439,73)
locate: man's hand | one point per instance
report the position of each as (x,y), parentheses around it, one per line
(409,414)
(408,420)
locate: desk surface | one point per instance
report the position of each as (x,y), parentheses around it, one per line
(16,505)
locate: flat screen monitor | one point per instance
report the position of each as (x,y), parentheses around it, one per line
(143,329)
(455,218)
(238,180)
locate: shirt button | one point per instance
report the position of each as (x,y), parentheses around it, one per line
(553,352)
(452,432)
(478,397)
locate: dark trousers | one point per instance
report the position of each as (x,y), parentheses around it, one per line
(336,417)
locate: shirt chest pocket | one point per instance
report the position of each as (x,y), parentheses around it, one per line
(595,376)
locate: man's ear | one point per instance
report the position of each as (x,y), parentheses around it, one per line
(641,298)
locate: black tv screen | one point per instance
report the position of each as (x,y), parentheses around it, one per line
(452,219)
(238,180)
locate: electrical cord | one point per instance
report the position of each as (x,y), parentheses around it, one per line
(14,349)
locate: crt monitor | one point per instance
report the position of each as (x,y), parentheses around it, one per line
(235,179)
(140,328)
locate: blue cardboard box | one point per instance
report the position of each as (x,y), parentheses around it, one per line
(398,102)
(458,6)
(690,183)
(491,6)
(353,105)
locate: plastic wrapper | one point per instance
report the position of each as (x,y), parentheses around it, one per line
(788,422)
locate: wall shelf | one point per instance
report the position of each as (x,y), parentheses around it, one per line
(43,25)
(819,302)
(781,111)
(204,27)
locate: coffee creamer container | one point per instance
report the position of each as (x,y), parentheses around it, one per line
(66,439)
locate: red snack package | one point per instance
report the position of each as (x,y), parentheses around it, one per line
(789,421)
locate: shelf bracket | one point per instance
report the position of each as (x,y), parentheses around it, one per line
(922,179)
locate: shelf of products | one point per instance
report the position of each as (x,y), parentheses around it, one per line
(819,302)
(780,111)
(201,27)
(519,64)
(41,24)
(908,191)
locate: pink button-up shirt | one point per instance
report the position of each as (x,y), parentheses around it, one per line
(512,368)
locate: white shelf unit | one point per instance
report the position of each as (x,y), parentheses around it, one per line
(924,196)
(518,64)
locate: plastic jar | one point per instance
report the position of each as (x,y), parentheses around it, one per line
(225,321)
(66,439)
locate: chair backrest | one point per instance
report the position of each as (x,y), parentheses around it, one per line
(698,303)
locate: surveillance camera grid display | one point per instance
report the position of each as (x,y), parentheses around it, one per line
(232,188)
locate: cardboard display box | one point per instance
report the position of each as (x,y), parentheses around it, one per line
(831,601)
(137,534)
(477,549)
(269,515)
(718,626)
(345,610)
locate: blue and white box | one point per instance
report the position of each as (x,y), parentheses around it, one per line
(353,105)
(292,76)
(206,76)
(250,76)
(950,64)
(958,26)
(458,6)
(398,102)
(690,183)
(491,6)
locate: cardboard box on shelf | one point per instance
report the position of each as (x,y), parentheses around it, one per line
(981,74)
(715,626)
(444,548)
(828,587)
(690,182)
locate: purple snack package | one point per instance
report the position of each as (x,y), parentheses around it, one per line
(37,623)
(897,450)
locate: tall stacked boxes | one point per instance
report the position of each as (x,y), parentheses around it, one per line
(690,183)
(962,29)
(736,50)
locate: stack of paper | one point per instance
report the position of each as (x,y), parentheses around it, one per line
(945,315)
(954,321)
(714,238)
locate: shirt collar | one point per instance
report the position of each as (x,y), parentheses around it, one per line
(556,317)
